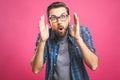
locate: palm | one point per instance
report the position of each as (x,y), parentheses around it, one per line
(75,28)
(44,32)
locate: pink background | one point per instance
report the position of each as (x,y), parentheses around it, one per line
(19,29)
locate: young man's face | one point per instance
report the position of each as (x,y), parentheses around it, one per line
(59,21)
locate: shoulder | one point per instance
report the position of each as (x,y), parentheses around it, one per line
(84,30)
(85,33)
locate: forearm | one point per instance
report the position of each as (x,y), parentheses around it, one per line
(89,57)
(37,62)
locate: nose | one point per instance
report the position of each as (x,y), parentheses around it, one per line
(59,21)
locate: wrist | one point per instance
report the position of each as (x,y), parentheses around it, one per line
(80,42)
(78,39)
(42,41)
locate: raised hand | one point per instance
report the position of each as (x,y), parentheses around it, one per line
(43,28)
(75,28)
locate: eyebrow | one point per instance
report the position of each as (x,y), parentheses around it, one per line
(57,16)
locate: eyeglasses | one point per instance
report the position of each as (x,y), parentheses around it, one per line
(54,19)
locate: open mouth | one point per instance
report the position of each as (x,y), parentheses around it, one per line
(60,29)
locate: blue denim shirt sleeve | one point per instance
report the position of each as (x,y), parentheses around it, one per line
(45,49)
(87,38)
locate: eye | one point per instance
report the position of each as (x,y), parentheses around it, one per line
(53,18)
(62,16)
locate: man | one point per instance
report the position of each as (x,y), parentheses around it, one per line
(63,47)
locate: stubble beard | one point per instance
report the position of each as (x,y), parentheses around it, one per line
(62,34)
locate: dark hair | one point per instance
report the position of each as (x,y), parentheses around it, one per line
(57,5)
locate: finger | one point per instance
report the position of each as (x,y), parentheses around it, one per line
(42,20)
(71,28)
(76,21)
(47,27)
(43,17)
(42,23)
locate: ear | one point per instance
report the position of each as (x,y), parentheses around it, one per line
(49,22)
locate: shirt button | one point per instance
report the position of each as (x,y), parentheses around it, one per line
(76,46)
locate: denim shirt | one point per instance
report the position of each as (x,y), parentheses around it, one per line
(77,68)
